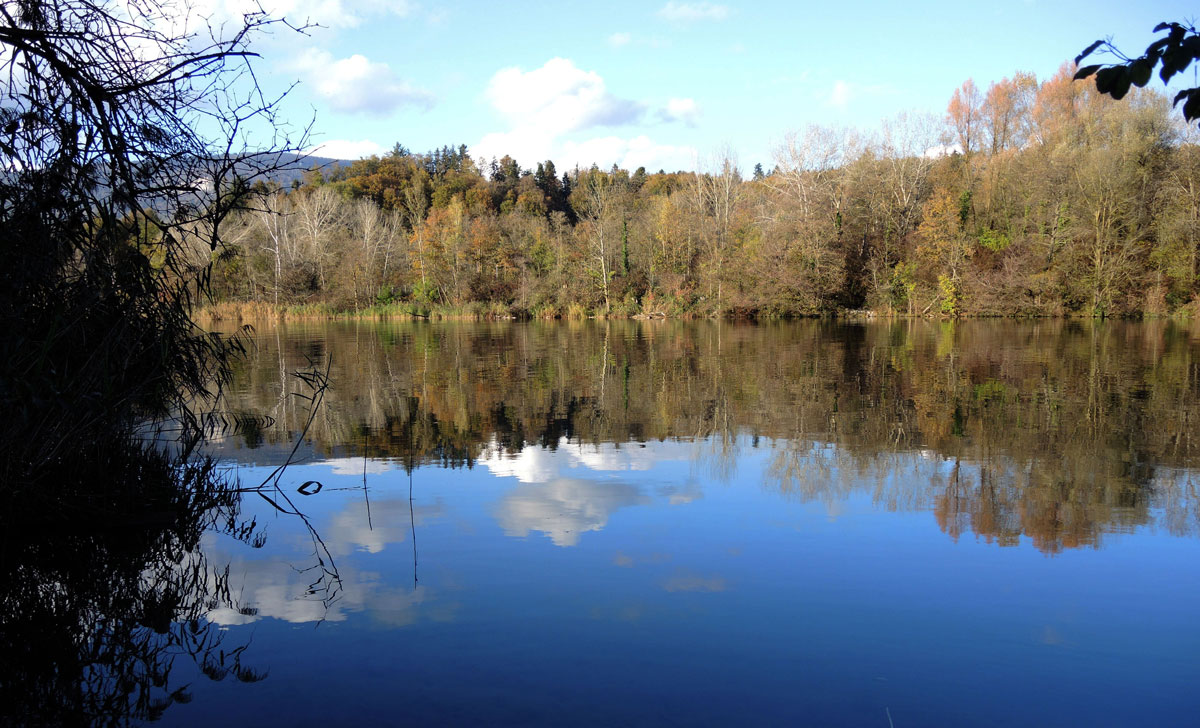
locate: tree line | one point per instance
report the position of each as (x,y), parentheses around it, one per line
(1029,198)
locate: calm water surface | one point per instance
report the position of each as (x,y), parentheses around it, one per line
(668,523)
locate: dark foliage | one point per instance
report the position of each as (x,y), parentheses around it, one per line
(120,159)
(1174,53)
(98,599)
(112,200)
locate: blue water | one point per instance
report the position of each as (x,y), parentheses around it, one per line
(684,582)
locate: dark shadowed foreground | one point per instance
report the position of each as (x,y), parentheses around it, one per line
(99,598)
(123,135)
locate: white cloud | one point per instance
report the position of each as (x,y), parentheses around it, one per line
(840,95)
(678,496)
(357,466)
(271,586)
(371,528)
(559,97)
(616,40)
(845,93)
(548,104)
(359,85)
(274,589)
(531,465)
(692,12)
(528,147)
(537,464)
(346,149)
(527,144)
(682,110)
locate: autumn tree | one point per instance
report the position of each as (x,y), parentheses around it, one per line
(945,244)
(1178,227)
(1111,180)
(964,114)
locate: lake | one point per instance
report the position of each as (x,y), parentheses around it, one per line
(906,523)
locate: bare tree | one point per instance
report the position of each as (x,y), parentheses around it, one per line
(601,196)
(372,232)
(123,136)
(905,146)
(716,192)
(274,217)
(814,181)
(318,216)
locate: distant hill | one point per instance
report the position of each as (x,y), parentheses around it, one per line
(295,166)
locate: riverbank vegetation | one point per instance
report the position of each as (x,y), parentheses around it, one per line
(1029,198)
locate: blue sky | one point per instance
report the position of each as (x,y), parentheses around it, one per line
(659,84)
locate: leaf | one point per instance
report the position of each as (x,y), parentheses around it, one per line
(1178,55)
(1088,51)
(1167,69)
(1106,78)
(1191,109)
(306,490)
(1086,71)
(1121,85)
(1113,81)
(1140,71)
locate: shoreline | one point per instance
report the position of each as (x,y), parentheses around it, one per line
(261,311)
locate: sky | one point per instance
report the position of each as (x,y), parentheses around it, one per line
(662,84)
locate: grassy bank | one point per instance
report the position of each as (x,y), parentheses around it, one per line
(237,311)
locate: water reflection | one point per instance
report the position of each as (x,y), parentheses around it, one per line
(105,596)
(670,522)
(372,526)
(537,464)
(276,592)
(568,489)
(772,516)
(563,509)
(1056,431)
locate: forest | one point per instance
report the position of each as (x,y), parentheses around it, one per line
(1029,198)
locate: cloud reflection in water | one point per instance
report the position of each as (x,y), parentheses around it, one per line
(563,508)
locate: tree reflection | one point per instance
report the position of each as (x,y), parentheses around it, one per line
(101,595)
(1055,431)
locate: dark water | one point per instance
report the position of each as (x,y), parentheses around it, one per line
(668,523)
